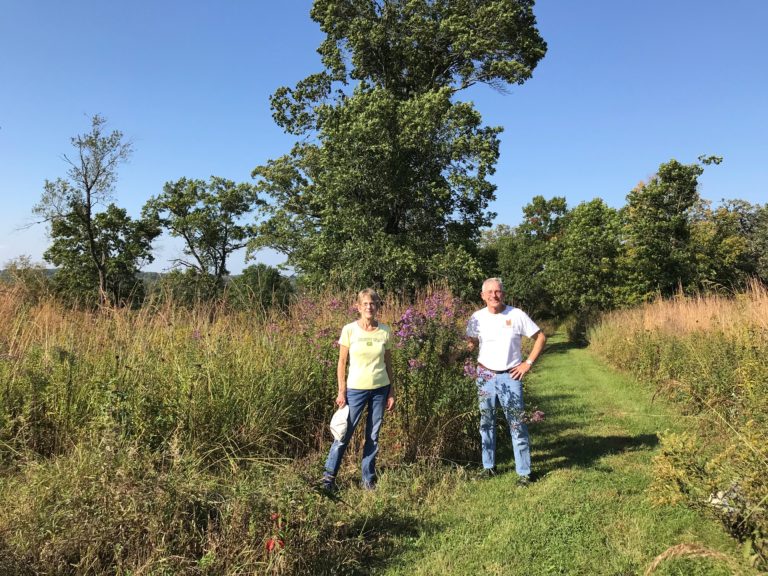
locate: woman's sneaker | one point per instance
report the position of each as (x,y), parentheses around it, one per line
(328,484)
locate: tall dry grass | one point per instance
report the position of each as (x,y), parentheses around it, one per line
(707,353)
(173,440)
(703,313)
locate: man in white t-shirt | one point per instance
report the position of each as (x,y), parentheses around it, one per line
(497,330)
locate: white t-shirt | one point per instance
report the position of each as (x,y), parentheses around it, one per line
(499,335)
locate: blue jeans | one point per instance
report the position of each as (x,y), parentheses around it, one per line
(508,392)
(376,401)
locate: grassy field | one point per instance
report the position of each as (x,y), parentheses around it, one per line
(172,441)
(591,509)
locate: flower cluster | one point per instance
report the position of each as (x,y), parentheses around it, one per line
(415,364)
(440,305)
(536,417)
(323,333)
(409,327)
(273,543)
(470,369)
(474,371)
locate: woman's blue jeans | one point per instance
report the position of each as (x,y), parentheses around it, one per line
(508,392)
(376,401)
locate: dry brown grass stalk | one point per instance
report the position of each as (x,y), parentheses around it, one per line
(691,551)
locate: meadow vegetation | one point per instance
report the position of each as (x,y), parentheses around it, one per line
(176,440)
(708,354)
(190,440)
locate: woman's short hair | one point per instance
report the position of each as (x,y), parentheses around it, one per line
(368,292)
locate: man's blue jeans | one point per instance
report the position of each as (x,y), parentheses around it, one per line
(376,401)
(508,392)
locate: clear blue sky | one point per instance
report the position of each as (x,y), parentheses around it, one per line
(625,86)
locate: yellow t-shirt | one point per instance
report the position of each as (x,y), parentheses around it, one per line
(367,369)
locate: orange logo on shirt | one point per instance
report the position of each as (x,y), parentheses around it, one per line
(509,322)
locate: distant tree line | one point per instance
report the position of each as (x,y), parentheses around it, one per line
(98,250)
(557,261)
(665,240)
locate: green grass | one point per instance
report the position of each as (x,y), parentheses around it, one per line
(590,509)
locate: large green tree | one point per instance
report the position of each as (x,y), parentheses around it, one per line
(98,253)
(123,245)
(389,183)
(582,277)
(522,255)
(722,240)
(659,254)
(208,217)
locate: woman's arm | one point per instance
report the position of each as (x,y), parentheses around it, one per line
(391,396)
(341,375)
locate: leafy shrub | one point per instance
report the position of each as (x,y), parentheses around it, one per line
(438,401)
(259,286)
(30,281)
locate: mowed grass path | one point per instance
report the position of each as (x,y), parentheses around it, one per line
(590,508)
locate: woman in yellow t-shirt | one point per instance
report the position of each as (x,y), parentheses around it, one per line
(365,343)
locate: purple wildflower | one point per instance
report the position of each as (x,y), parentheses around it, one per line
(415,364)
(409,326)
(323,333)
(432,304)
(484,373)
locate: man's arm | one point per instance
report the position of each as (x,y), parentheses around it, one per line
(524,367)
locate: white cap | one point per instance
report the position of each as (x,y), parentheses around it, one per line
(339,422)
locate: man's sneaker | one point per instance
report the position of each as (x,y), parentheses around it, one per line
(523,481)
(368,485)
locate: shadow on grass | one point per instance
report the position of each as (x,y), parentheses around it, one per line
(562,347)
(560,443)
(581,451)
(575,451)
(379,539)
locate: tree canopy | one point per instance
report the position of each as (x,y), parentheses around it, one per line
(207,217)
(98,253)
(523,255)
(666,238)
(392,172)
